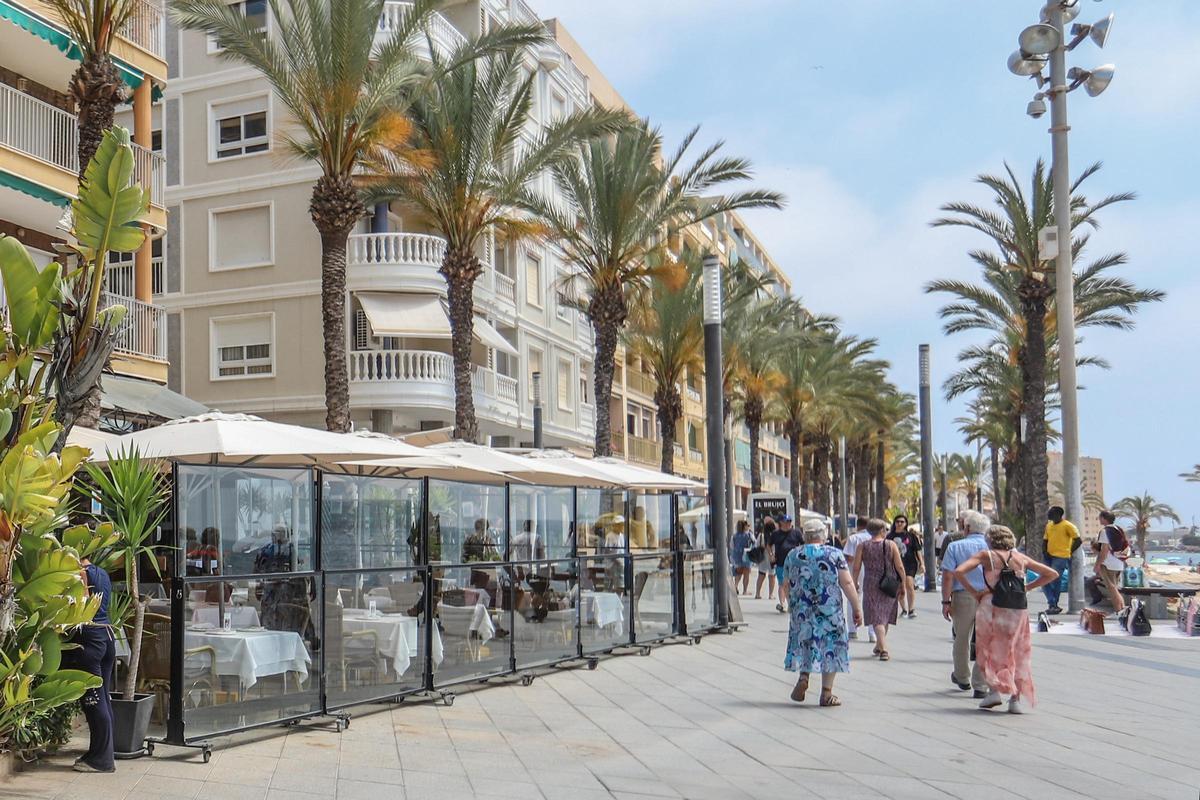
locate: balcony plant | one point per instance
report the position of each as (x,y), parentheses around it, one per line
(42,596)
(132,493)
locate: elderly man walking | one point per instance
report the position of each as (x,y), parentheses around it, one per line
(958,605)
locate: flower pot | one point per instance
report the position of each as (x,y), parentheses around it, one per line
(131,720)
(8,764)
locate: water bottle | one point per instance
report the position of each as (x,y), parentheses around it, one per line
(372,609)
(227,621)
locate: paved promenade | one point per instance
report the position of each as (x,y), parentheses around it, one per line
(1117,719)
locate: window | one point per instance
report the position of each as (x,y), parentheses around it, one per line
(253,10)
(583,384)
(240,237)
(631,422)
(243,346)
(564,385)
(558,106)
(240,127)
(535,365)
(562,305)
(533,281)
(156,141)
(693,436)
(647,424)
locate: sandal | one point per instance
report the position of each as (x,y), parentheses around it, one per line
(876,651)
(800,689)
(883,656)
(828,698)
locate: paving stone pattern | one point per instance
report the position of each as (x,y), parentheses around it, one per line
(1117,719)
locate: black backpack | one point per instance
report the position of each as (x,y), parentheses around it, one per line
(1139,624)
(1009,591)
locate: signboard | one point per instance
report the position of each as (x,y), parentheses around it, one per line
(769,504)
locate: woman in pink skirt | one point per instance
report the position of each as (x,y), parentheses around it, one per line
(1002,645)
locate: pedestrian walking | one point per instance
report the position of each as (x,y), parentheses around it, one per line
(1060,540)
(853,541)
(781,541)
(1112,548)
(878,561)
(816,578)
(941,538)
(1003,649)
(959,606)
(913,559)
(739,559)
(762,564)
(95,653)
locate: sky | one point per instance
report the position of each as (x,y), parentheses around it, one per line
(870,115)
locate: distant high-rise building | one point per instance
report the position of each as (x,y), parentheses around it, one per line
(1091,475)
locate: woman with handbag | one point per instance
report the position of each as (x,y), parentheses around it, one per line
(1003,649)
(739,559)
(878,561)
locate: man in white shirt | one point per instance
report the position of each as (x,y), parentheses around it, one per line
(855,539)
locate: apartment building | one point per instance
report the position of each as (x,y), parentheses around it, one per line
(39,168)
(244,317)
(1091,476)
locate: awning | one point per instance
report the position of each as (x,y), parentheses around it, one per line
(33,189)
(421,316)
(145,398)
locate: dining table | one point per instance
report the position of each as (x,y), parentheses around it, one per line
(252,654)
(603,609)
(398,636)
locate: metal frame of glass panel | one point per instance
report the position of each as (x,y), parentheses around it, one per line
(692,597)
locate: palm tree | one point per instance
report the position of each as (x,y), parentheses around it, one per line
(757,344)
(665,330)
(1193,476)
(474,171)
(96,86)
(616,202)
(347,99)
(1018,279)
(968,473)
(1142,511)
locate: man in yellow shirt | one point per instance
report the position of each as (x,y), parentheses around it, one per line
(1061,539)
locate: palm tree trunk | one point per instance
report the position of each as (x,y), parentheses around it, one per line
(670,409)
(941,501)
(335,207)
(995,455)
(862,481)
(882,500)
(821,480)
(1141,542)
(96,88)
(460,268)
(606,311)
(1034,296)
(794,448)
(810,482)
(753,412)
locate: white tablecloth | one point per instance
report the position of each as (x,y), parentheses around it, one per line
(398,636)
(242,616)
(603,609)
(254,654)
(459,620)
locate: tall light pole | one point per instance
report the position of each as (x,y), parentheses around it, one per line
(714,434)
(926,407)
(1041,45)
(537,410)
(844,505)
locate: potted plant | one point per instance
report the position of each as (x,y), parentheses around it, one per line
(132,493)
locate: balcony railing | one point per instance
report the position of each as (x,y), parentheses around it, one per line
(120,280)
(144,331)
(640,382)
(38,129)
(145,26)
(696,456)
(401,365)
(396,248)
(493,385)
(445,36)
(646,451)
(150,171)
(506,288)
(587,417)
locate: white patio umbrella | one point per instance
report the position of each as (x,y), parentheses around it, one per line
(545,472)
(614,471)
(242,439)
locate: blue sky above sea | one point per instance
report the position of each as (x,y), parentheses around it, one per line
(869,115)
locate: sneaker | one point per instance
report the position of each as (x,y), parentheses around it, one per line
(779,607)
(83,766)
(912,615)
(854,636)
(979,694)
(963,686)
(1015,707)
(991,700)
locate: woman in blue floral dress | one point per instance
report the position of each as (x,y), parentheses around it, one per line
(816,577)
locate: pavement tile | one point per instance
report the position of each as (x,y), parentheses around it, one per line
(364,790)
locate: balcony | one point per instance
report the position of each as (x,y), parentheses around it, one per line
(640,382)
(48,138)
(446,38)
(395,261)
(646,451)
(145,27)
(505,288)
(425,379)
(695,456)
(144,332)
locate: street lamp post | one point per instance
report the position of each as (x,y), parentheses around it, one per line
(926,406)
(714,434)
(537,410)
(1042,45)
(844,505)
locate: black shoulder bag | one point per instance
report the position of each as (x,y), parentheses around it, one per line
(1009,591)
(889,581)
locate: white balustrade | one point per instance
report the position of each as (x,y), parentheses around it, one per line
(506,288)
(506,389)
(396,249)
(144,331)
(401,365)
(445,36)
(150,172)
(144,27)
(38,129)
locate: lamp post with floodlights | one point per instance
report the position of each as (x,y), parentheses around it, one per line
(713,314)
(1040,46)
